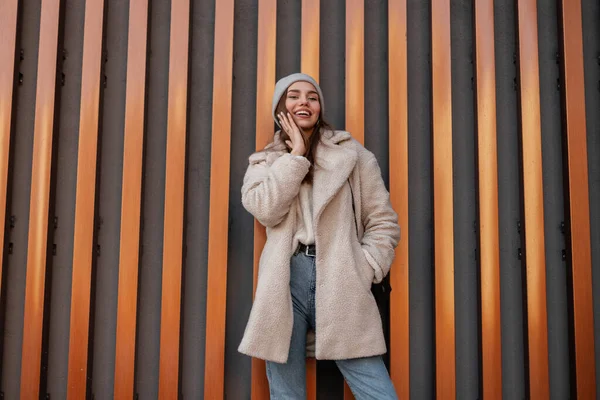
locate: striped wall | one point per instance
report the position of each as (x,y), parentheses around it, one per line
(129,263)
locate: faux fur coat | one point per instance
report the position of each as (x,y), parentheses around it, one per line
(348,324)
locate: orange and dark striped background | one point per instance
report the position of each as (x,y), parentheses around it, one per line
(129,263)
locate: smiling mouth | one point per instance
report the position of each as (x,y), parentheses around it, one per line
(303,114)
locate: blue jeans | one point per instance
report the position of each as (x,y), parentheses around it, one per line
(367,377)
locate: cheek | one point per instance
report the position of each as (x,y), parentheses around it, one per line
(317,110)
(289,105)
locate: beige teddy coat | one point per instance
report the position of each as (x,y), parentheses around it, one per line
(348,324)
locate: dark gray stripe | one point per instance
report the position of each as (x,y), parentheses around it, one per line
(509,193)
(197,198)
(14,266)
(241,224)
(420,203)
(464,151)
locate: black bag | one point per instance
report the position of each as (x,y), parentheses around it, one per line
(381,291)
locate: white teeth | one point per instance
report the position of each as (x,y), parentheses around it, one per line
(303,113)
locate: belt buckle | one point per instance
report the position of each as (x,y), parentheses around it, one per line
(307,252)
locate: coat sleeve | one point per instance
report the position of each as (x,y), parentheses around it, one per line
(268,190)
(382,231)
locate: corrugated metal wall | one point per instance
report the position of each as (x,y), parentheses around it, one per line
(125,128)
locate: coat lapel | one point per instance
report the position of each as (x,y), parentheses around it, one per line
(333,167)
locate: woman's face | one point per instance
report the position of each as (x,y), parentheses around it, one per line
(302,101)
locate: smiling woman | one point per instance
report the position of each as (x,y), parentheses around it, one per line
(302,101)
(299,112)
(310,182)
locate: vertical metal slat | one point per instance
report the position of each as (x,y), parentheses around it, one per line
(488,200)
(355,82)
(579,208)
(533,199)
(398,153)
(355,71)
(8,37)
(265,84)
(174,201)
(131,200)
(443,200)
(310,65)
(219,202)
(39,201)
(311,18)
(85,199)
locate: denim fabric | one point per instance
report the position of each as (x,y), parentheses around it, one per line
(367,377)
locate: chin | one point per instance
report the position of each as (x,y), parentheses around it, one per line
(308,131)
(306,126)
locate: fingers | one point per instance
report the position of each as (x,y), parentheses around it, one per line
(284,123)
(288,123)
(291,122)
(296,139)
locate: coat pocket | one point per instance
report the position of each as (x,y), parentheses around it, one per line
(365,270)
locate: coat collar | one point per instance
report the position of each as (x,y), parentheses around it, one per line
(333,166)
(334,163)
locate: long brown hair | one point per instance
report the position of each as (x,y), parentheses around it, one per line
(311,142)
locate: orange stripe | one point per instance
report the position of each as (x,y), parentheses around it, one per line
(355,82)
(8,19)
(131,200)
(40,192)
(265,84)
(533,199)
(579,208)
(311,379)
(85,199)
(488,200)
(219,203)
(443,198)
(398,151)
(347,392)
(174,201)
(355,72)
(311,15)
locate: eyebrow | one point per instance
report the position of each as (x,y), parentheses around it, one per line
(298,91)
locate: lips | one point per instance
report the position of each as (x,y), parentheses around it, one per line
(302,113)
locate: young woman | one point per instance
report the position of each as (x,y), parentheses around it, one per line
(331,233)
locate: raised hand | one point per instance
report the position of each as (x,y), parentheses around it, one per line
(296,141)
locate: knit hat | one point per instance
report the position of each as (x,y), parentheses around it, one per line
(286,82)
